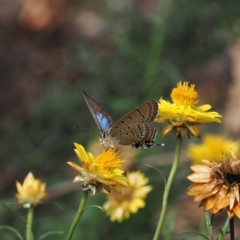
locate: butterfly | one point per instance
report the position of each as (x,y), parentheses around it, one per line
(132,129)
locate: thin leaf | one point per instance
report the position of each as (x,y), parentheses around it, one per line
(209,224)
(226,225)
(169,225)
(195,232)
(17,233)
(220,236)
(45,235)
(13,211)
(94,206)
(224,230)
(57,204)
(164,179)
(202,227)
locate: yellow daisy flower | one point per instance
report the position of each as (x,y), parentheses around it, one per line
(212,147)
(99,172)
(126,153)
(217,185)
(182,115)
(119,207)
(31,192)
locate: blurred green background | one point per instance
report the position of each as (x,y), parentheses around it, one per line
(122,53)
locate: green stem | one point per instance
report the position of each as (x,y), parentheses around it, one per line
(78,215)
(168,187)
(29,235)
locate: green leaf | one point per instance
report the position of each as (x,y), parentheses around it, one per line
(45,235)
(13,230)
(57,204)
(159,172)
(94,206)
(195,232)
(169,224)
(13,211)
(225,226)
(224,229)
(209,223)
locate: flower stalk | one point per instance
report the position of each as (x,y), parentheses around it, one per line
(232,229)
(29,235)
(168,187)
(78,215)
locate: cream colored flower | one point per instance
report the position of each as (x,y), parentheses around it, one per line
(119,207)
(100,171)
(31,192)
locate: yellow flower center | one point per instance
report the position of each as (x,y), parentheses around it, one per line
(184,95)
(109,159)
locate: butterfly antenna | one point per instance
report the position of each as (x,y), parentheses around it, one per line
(76,126)
(160,145)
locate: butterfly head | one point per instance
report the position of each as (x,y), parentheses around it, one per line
(107,140)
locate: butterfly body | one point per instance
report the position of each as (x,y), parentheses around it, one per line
(132,129)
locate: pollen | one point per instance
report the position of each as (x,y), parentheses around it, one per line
(184,95)
(109,159)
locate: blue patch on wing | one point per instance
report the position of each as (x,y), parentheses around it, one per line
(103,122)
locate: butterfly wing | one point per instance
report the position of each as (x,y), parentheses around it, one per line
(144,113)
(136,135)
(134,128)
(101,117)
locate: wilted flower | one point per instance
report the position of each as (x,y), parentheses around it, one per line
(182,115)
(216,185)
(119,207)
(212,148)
(99,172)
(31,192)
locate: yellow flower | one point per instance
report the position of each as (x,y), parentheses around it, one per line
(99,172)
(212,148)
(31,192)
(126,153)
(182,115)
(119,207)
(217,185)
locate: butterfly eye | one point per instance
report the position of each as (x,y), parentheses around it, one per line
(103,134)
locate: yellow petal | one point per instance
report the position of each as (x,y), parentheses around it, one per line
(200,177)
(236,191)
(219,198)
(195,189)
(223,198)
(209,202)
(194,130)
(236,210)
(232,198)
(209,163)
(107,189)
(76,167)
(230,213)
(167,129)
(206,194)
(200,168)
